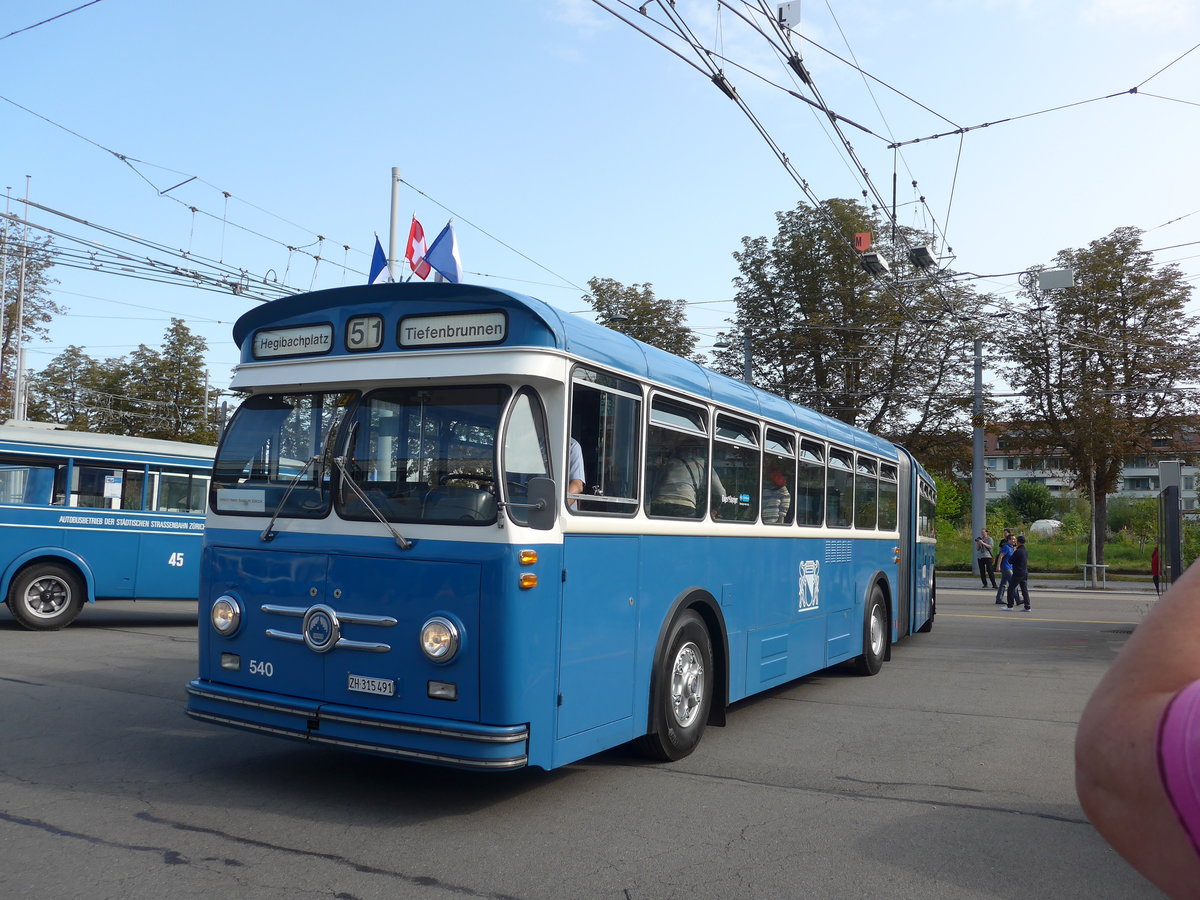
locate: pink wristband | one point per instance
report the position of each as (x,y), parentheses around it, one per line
(1179,758)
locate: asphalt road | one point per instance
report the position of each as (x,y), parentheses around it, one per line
(949,775)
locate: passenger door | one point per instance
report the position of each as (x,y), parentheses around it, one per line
(599,615)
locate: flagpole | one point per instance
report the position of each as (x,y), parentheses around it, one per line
(394,237)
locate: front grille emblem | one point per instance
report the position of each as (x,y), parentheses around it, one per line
(321,628)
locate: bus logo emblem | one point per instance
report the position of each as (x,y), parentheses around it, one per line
(810,585)
(321,629)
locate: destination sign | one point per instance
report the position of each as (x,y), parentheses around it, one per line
(304,340)
(459,328)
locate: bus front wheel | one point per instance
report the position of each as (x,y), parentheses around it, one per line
(682,692)
(45,597)
(875,634)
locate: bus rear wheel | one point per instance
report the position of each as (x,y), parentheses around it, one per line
(45,597)
(875,634)
(682,692)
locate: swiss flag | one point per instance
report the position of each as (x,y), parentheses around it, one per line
(414,252)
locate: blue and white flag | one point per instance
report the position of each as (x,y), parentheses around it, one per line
(442,255)
(379,266)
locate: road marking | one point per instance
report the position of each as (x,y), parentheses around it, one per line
(1038,619)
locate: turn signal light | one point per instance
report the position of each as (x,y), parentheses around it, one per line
(527,557)
(527,580)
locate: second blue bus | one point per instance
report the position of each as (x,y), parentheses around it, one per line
(93,516)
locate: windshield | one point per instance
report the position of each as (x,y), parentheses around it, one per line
(272,445)
(424,454)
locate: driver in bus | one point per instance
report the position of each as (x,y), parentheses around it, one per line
(575,472)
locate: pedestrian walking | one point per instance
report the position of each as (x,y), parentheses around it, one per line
(1019,581)
(1155,569)
(983,558)
(1004,565)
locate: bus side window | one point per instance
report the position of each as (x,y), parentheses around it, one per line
(810,484)
(889,497)
(606,416)
(839,489)
(677,471)
(735,470)
(779,478)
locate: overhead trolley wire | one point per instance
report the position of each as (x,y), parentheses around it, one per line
(47,21)
(1168,65)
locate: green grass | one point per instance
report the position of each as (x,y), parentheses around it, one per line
(1066,555)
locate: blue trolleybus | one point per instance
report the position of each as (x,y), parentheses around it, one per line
(457,525)
(89,516)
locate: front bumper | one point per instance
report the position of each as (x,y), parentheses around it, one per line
(417,738)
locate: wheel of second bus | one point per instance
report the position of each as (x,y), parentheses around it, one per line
(875,634)
(45,596)
(683,690)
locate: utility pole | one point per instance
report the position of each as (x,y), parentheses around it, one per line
(978,479)
(4,279)
(18,404)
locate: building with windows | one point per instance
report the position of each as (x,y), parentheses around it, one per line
(1005,466)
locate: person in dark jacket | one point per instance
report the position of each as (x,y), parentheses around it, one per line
(1008,546)
(1020,574)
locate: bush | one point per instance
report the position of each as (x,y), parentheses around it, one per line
(1002,514)
(1074,524)
(1032,500)
(1136,517)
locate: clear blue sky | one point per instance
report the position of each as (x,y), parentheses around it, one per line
(558,130)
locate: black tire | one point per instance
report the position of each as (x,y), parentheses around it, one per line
(875,634)
(46,596)
(683,689)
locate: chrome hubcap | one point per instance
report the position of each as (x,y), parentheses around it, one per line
(687,684)
(877,631)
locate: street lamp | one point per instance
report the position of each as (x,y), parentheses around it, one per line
(747,356)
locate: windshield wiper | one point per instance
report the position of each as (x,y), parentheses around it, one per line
(268,533)
(340,461)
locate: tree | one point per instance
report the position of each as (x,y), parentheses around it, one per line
(36,304)
(634,310)
(1032,500)
(891,355)
(951,499)
(173,383)
(151,393)
(1099,366)
(64,391)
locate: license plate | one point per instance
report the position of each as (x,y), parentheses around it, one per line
(384,687)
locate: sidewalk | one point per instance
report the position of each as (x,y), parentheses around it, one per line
(970,581)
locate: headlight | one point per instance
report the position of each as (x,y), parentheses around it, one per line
(439,639)
(226,615)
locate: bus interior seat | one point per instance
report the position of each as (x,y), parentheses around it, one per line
(458,501)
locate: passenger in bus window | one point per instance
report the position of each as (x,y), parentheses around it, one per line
(776,498)
(680,483)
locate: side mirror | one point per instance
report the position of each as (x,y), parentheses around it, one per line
(542,497)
